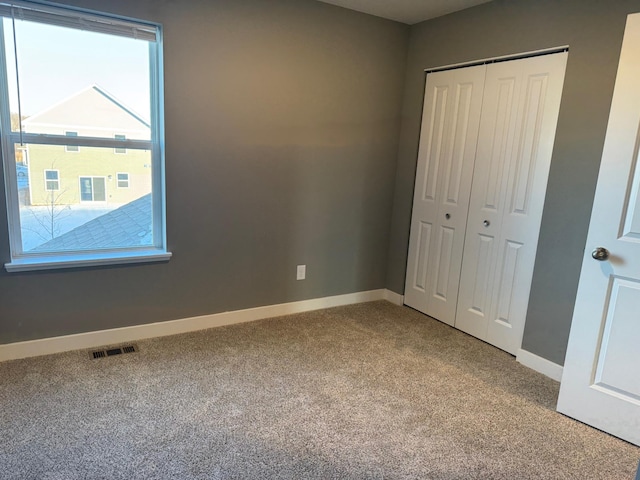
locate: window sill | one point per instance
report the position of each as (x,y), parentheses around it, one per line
(26,264)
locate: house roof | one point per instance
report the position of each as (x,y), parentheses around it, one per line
(91,107)
(127,226)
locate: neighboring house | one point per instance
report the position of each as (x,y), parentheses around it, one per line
(78,174)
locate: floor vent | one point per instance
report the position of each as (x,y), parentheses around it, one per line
(113,351)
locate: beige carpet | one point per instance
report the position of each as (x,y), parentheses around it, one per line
(369,391)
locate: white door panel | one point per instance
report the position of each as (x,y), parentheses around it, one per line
(601,380)
(517,129)
(497,132)
(619,348)
(443,182)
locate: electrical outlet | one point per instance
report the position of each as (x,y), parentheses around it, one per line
(301,272)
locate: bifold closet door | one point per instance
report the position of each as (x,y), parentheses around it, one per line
(451,116)
(517,130)
(483,163)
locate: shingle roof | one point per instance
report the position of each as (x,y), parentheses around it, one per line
(127,226)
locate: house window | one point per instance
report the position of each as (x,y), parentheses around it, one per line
(52,180)
(71,148)
(56,223)
(93,189)
(122,180)
(120,150)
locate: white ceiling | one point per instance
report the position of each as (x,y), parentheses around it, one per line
(406,11)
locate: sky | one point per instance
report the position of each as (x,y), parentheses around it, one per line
(55,62)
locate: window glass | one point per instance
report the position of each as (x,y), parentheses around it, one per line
(119,68)
(73,198)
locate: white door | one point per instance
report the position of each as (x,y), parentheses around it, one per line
(601,377)
(517,131)
(451,116)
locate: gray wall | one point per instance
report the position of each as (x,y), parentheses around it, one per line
(282,121)
(593,29)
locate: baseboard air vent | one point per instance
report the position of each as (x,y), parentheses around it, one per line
(113,351)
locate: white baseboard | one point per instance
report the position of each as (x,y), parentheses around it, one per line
(394,297)
(47,346)
(539,364)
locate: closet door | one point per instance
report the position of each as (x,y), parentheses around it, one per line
(517,130)
(451,117)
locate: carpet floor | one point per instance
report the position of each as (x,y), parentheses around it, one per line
(367,391)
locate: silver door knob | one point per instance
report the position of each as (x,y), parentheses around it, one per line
(486,223)
(601,254)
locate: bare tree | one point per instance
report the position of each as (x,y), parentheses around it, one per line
(54,212)
(48,218)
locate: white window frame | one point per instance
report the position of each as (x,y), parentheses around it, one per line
(128,180)
(105,23)
(57,180)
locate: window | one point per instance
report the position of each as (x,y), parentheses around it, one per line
(71,148)
(78,216)
(122,180)
(93,189)
(52,180)
(120,150)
